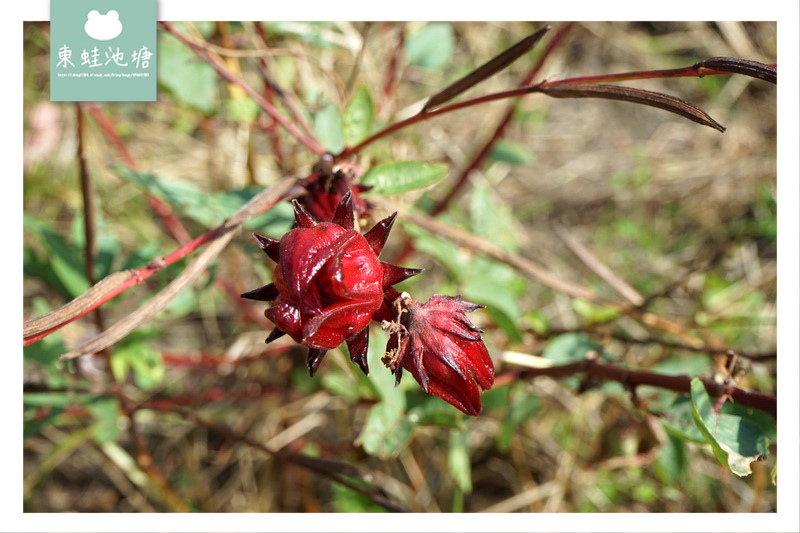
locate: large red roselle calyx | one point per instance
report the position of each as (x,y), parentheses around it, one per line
(328,282)
(441,348)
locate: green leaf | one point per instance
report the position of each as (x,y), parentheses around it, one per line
(678,419)
(328,127)
(106,411)
(346,500)
(493,287)
(458,460)
(36,419)
(432,411)
(386,431)
(511,152)
(144,360)
(537,321)
(431,47)
(60,257)
(492,219)
(191,80)
(359,117)
(735,440)
(341,385)
(381,380)
(210,210)
(242,108)
(185,197)
(670,465)
(319,33)
(399,177)
(570,348)
(444,251)
(592,313)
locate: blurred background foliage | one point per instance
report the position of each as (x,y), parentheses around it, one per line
(682,213)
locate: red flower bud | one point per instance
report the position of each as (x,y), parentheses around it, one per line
(328,282)
(442,349)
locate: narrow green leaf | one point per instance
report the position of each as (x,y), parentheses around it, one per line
(399,177)
(592,313)
(445,252)
(511,152)
(521,407)
(359,117)
(458,460)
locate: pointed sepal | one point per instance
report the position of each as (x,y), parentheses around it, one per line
(394,274)
(274,335)
(315,357)
(267,293)
(304,218)
(344,214)
(377,235)
(270,246)
(357,345)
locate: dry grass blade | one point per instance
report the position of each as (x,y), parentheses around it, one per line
(747,67)
(488,69)
(629,94)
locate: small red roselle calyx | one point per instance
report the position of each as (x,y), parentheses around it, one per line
(328,282)
(325,189)
(441,348)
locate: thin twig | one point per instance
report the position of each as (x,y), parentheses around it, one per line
(287,98)
(595,265)
(201,51)
(539,273)
(471,241)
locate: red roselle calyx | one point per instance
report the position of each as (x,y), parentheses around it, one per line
(441,348)
(326,187)
(328,282)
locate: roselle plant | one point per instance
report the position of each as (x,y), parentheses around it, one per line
(351,216)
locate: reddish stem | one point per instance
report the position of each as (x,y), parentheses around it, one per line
(692,71)
(133,277)
(634,378)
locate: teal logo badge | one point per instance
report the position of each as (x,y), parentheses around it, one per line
(103,50)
